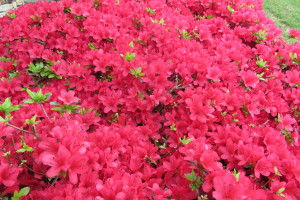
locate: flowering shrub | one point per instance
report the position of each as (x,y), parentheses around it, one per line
(294,33)
(148,99)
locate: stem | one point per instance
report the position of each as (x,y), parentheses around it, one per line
(33,133)
(36,163)
(33,170)
(44,111)
(10,125)
(23,164)
(54,181)
(179,87)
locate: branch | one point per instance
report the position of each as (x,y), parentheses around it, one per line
(13,126)
(20,129)
(44,111)
(179,87)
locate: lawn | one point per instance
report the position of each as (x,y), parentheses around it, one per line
(285,13)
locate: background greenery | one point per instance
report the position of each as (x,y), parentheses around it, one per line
(285,13)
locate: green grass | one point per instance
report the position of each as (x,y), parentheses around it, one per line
(285,13)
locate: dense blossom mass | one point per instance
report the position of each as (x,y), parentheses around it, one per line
(148,99)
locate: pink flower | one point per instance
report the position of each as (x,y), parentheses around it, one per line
(199,111)
(227,188)
(263,167)
(293,77)
(214,73)
(9,174)
(111,100)
(294,33)
(209,159)
(68,97)
(287,122)
(65,161)
(250,79)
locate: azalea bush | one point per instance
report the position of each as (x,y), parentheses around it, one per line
(149,99)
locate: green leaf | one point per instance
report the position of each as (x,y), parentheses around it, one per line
(2,119)
(38,97)
(149,10)
(293,56)
(13,73)
(44,73)
(236,175)
(5,59)
(7,106)
(137,72)
(25,148)
(261,63)
(276,171)
(21,150)
(279,192)
(31,94)
(57,109)
(32,120)
(185,141)
(173,127)
(260,76)
(185,34)
(277,119)
(191,177)
(24,191)
(161,21)
(143,43)
(130,56)
(131,44)
(140,94)
(12,15)
(83,111)
(92,46)
(16,196)
(7,103)
(230,9)
(48,94)
(28,101)
(8,118)
(55,103)
(39,66)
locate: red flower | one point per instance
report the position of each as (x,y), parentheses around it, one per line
(293,77)
(295,33)
(264,167)
(214,73)
(209,159)
(287,122)
(199,111)
(250,79)
(65,161)
(36,51)
(111,100)
(227,188)
(67,97)
(9,174)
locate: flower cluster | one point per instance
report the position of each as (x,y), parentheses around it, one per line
(148,99)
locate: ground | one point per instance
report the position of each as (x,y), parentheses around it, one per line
(285,13)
